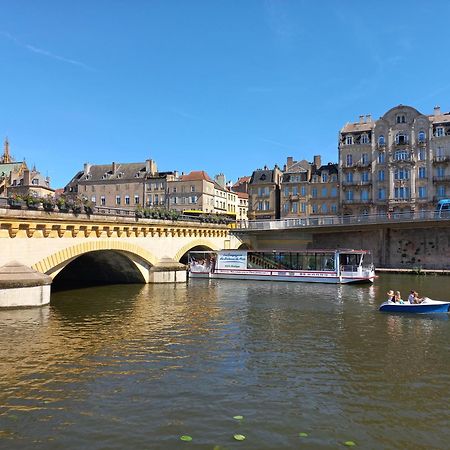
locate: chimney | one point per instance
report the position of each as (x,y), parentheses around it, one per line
(437,110)
(361,119)
(86,168)
(114,167)
(220,179)
(368,118)
(317,161)
(26,177)
(150,166)
(289,162)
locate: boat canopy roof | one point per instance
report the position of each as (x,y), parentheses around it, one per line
(306,251)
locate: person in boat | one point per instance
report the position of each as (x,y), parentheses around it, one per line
(412,297)
(417,299)
(391,296)
(398,297)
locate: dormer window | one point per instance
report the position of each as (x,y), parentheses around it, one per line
(137,175)
(421,136)
(401,118)
(439,131)
(349,139)
(119,175)
(262,177)
(364,139)
(381,140)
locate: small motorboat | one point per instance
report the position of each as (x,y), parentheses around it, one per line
(427,306)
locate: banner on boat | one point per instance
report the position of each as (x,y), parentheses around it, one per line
(232,260)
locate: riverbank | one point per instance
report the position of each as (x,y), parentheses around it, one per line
(414,271)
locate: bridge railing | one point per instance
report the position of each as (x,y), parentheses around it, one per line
(325,221)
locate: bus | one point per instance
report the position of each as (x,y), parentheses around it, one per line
(443,208)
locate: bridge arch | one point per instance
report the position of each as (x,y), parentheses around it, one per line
(205,243)
(140,259)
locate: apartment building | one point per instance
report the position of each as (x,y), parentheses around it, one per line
(398,163)
(264,193)
(122,185)
(309,189)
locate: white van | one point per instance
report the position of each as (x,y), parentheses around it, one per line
(443,208)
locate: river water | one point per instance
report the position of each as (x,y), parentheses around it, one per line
(138,366)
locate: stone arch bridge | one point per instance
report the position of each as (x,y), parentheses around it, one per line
(105,248)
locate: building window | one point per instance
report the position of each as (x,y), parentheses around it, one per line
(401,139)
(381,140)
(294,190)
(136,199)
(439,132)
(103,200)
(156,199)
(324,192)
(440,172)
(174,189)
(381,157)
(401,118)
(266,205)
(401,174)
(324,208)
(286,208)
(117,199)
(324,177)
(422,172)
(381,174)
(381,194)
(314,192)
(422,192)
(401,192)
(334,208)
(93,199)
(35,181)
(348,140)
(365,176)
(349,177)
(314,208)
(364,195)
(127,199)
(421,136)
(349,160)
(364,139)
(295,208)
(174,200)
(303,207)
(303,191)
(349,195)
(193,199)
(333,192)
(421,155)
(192,188)
(401,155)
(286,191)
(365,159)
(441,191)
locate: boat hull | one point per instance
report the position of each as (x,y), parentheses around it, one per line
(268,275)
(428,307)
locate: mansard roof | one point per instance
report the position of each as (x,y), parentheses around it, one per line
(261,176)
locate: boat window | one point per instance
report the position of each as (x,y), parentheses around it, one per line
(350,262)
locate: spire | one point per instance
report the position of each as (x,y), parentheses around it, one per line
(6,158)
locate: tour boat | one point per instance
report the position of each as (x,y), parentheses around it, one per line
(426,307)
(314,266)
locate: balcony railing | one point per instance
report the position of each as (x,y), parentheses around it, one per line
(325,221)
(441,178)
(441,159)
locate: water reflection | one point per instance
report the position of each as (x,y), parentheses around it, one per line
(136,366)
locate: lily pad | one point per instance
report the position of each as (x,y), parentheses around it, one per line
(239,437)
(186,438)
(350,443)
(303,434)
(238,417)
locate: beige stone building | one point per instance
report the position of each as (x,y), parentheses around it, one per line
(242,208)
(309,189)
(122,185)
(398,163)
(264,194)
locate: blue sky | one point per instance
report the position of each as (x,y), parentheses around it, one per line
(222,86)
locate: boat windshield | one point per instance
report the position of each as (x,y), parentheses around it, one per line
(350,262)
